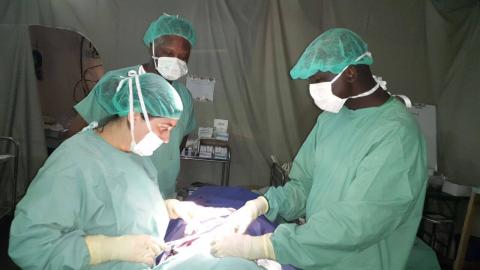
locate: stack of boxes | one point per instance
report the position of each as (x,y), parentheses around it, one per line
(213,141)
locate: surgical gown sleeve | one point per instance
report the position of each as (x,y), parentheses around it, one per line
(46,233)
(192,123)
(188,115)
(384,191)
(289,201)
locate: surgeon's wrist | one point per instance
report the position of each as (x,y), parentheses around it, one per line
(268,246)
(171,204)
(266,205)
(260,247)
(99,248)
(257,207)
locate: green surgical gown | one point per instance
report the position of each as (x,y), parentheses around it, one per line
(422,257)
(166,159)
(87,187)
(360,180)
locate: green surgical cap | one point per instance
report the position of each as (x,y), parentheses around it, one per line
(170,25)
(332,51)
(160,98)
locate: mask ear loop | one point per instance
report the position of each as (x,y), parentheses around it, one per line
(338,75)
(155,59)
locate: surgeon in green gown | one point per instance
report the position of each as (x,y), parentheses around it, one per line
(359,178)
(169,40)
(95,204)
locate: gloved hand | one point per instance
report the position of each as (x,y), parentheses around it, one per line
(129,248)
(239,221)
(244,246)
(194,214)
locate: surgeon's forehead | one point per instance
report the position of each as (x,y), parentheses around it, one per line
(173,40)
(164,121)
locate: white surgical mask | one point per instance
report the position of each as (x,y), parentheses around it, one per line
(324,98)
(171,68)
(151,141)
(147,145)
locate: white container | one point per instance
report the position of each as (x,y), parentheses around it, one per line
(456,190)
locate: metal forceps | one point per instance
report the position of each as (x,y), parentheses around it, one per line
(175,246)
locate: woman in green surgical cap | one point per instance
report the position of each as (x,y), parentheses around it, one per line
(96,200)
(169,40)
(95,204)
(359,178)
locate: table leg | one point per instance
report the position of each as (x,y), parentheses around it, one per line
(467,229)
(222,183)
(227,176)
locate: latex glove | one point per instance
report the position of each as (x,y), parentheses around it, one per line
(239,221)
(194,214)
(244,246)
(129,248)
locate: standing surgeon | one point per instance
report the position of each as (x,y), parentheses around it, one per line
(170,40)
(359,178)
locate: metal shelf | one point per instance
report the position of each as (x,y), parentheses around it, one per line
(6,157)
(221,160)
(225,181)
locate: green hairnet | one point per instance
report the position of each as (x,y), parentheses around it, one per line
(170,25)
(160,98)
(331,52)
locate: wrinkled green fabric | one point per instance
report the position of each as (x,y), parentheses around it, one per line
(331,52)
(360,179)
(170,25)
(86,187)
(166,159)
(159,97)
(422,257)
